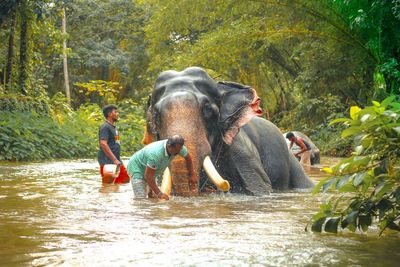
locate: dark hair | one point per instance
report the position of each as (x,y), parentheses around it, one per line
(107,109)
(289,135)
(175,140)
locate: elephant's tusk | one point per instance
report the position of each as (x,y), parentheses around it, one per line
(214,176)
(166,183)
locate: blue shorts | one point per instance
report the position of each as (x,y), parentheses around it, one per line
(140,188)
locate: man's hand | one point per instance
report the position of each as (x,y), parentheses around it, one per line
(117,162)
(161,195)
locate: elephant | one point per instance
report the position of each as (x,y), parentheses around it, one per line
(315,153)
(220,121)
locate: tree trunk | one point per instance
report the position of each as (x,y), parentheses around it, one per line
(65,59)
(282,92)
(23,49)
(10,53)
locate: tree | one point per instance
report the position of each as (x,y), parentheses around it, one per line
(287,55)
(10,53)
(106,40)
(374,25)
(24,48)
(65,59)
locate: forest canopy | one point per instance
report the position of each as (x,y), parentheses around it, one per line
(308,60)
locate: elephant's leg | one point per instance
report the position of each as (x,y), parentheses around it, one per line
(245,158)
(298,179)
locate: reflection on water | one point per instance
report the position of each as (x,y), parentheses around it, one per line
(58,213)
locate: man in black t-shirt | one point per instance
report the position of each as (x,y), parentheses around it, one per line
(109,143)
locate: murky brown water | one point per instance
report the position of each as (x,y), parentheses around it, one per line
(57,213)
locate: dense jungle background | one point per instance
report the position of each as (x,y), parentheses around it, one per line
(309,61)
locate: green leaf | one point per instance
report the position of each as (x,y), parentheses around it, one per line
(364,221)
(367,140)
(360,161)
(395,106)
(342,181)
(387,101)
(347,188)
(383,188)
(376,104)
(396,194)
(391,225)
(328,184)
(354,130)
(331,225)
(339,120)
(352,216)
(318,186)
(317,225)
(319,215)
(383,206)
(359,178)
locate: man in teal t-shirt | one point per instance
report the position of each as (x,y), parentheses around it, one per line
(152,160)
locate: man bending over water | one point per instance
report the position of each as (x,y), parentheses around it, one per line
(152,160)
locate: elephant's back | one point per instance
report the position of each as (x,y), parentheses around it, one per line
(272,149)
(266,134)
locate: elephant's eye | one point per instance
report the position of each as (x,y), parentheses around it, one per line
(209,110)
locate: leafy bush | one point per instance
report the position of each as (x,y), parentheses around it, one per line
(371,177)
(28,136)
(108,92)
(131,125)
(21,103)
(60,110)
(327,139)
(311,112)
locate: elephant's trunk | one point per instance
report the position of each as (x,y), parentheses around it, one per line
(185,120)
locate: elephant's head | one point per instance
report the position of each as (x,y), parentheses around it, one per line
(204,112)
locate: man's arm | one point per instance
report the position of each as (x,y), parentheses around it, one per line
(149,177)
(107,150)
(302,146)
(291,145)
(193,179)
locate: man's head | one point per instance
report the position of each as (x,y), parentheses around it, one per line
(110,112)
(175,144)
(290,136)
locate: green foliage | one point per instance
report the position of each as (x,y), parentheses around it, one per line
(108,91)
(374,24)
(327,139)
(60,110)
(308,60)
(326,106)
(131,125)
(24,104)
(106,39)
(28,136)
(369,181)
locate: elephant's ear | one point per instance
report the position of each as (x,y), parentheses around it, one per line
(239,104)
(149,135)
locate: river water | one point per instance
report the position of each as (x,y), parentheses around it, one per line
(58,214)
